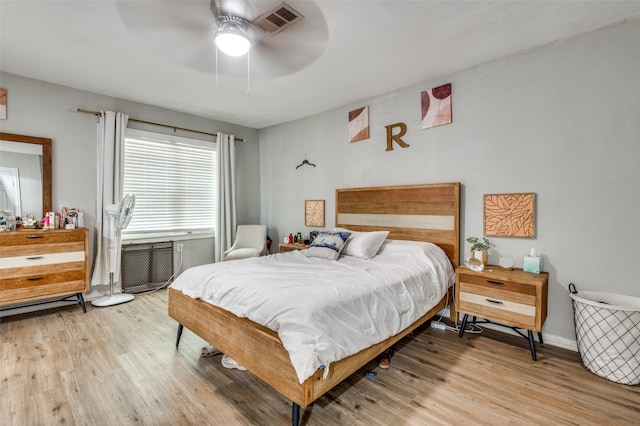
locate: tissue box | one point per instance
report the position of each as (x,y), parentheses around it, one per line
(532,264)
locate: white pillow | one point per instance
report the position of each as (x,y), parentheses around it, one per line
(363,244)
(328,245)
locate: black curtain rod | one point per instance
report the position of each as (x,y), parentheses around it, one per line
(137,120)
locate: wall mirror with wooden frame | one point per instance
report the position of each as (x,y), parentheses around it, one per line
(25,174)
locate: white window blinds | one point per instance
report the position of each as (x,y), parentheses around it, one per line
(174,182)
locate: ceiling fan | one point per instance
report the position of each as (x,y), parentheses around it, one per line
(236,34)
(283,37)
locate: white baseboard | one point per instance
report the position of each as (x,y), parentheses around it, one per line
(43,304)
(549,339)
(18,309)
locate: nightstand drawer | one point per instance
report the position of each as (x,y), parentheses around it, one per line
(518,293)
(494,286)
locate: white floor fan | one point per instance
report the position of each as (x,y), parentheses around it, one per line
(119,218)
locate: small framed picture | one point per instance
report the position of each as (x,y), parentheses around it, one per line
(314,213)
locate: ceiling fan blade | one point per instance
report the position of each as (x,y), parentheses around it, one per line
(144,16)
(293,49)
(167,27)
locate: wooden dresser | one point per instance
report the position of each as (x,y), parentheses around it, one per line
(40,264)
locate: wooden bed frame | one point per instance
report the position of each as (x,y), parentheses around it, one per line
(414,212)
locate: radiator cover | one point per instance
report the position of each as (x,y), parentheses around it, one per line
(146,266)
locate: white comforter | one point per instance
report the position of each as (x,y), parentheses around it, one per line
(325,310)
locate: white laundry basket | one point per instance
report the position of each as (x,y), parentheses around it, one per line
(608,334)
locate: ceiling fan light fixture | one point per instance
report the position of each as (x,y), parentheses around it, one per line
(232,40)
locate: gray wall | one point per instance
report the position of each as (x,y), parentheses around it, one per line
(562,121)
(37,108)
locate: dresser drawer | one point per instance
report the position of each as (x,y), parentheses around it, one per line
(23,243)
(40,236)
(49,290)
(63,283)
(76,274)
(26,262)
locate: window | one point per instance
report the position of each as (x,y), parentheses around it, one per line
(174,182)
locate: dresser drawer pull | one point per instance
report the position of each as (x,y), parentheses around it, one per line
(34,236)
(35,257)
(497,302)
(495,282)
(34,279)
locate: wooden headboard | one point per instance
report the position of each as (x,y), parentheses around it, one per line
(429,212)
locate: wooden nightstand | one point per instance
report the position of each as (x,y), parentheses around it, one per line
(515,299)
(285,247)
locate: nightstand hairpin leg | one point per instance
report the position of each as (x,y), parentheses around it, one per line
(529,336)
(532,344)
(464,325)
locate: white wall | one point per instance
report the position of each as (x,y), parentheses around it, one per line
(37,108)
(562,121)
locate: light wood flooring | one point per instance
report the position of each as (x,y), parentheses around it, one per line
(119,366)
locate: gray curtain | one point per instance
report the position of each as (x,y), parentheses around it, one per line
(226,186)
(111,132)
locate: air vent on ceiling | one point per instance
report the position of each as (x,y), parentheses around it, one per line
(278,18)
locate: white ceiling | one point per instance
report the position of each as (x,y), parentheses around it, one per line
(362,48)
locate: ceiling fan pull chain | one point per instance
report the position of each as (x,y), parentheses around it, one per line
(249,72)
(216,65)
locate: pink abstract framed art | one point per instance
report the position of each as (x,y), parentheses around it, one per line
(359,124)
(436,106)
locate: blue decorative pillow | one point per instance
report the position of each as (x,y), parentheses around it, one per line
(328,245)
